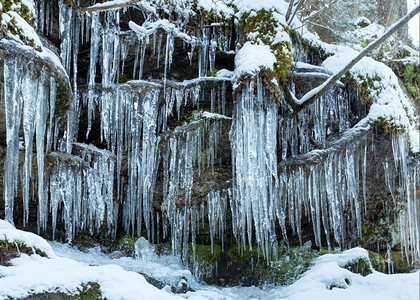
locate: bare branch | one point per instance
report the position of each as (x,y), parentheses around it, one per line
(317,12)
(298,6)
(314,94)
(289,9)
(102,6)
(322,26)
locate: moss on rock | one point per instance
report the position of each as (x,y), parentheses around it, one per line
(88,291)
(412,80)
(262,27)
(360,266)
(245,267)
(13,249)
(12,25)
(126,245)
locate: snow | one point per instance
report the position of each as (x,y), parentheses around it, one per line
(281,36)
(167,269)
(223,73)
(69,268)
(30,5)
(364,35)
(45,54)
(5,225)
(24,27)
(328,270)
(218,6)
(248,5)
(251,59)
(390,102)
(108,4)
(305,67)
(35,274)
(8,232)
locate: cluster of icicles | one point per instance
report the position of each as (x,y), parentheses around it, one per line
(269,188)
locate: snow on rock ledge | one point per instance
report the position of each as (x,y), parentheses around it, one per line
(8,232)
(251,59)
(31,275)
(390,103)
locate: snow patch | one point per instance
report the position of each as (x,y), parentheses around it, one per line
(251,59)
(8,232)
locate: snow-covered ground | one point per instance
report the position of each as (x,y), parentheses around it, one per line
(66,268)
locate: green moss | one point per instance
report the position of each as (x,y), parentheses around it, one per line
(377,261)
(365,42)
(123,78)
(388,126)
(24,12)
(88,291)
(126,245)
(21,9)
(200,17)
(12,249)
(261,27)
(7,4)
(248,267)
(205,256)
(368,87)
(212,73)
(292,262)
(400,264)
(360,266)
(397,262)
(194,115)
(412,79)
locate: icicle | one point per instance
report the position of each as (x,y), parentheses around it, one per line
(169,50)
(53,93)
(142,57)
(29,113)
(96,31)
(85,189)
(217,205)
(124,53)
(66,26)
(407,175)
(212,55)
(40,124)
(158,50)
(13,106)
(255,166)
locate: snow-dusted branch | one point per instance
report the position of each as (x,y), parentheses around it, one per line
(103,6)
(314,94)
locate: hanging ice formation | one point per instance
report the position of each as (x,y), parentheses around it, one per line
(131,116)
(188,150)
(83,189)
(26,97)
(285,167)
(402,178)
